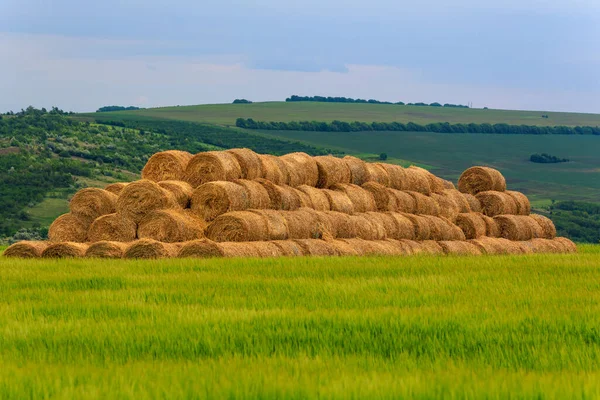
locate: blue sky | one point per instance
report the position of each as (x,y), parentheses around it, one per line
(78,55)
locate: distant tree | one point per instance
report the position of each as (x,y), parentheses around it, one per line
(383,156)
(241,101)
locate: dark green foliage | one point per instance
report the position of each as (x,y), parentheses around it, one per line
(330,99)
(580,221)
(242,101)
(546,159)
(116,108)
(383,156)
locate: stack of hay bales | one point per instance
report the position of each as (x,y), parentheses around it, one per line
(238,203)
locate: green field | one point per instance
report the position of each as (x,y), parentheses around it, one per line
(226,114)
(378,327)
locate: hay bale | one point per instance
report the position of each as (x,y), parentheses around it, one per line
(277,226)
(212,166)
(424,205)
(387,222)
(383,197)
(166,166)
(343,248)
(182,191)
(150,249)
(521,201)
(116,188)
(106,249)
(518,227)
(481,179)
(302,169)
(403,201)
(368,247)
(491,227)
(317,247)
(238,250)
(378,173)
(400,248)
(283,197)
(93,202)
(26,249)
(461,201)
(238,226)
(421,226)
(171,226)
(69,228)
(448,185)
(318,199)
(459,248)
(404,228)
(201,248)
(496,203)
(430,247)
(448,207)
(359,173)
(335,224)
(540,245)
(290,248)
(567,245)
(362,199)
(332,170)
(303,224)
(305,200)
(258,197)
(339,201)
(472,224)
(474,204)
(548,228)
(443,229)
(418,180)
(65,250)
(250,163)
(112,227)
(436,184)
(365,227)
(494,246)
(141,197)
(267,249)
(398,179)
(216,198)
(274,169)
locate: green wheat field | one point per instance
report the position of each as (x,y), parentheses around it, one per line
(363,327)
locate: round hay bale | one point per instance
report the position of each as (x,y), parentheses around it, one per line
(405,228)
(93,202)
(443,229)
(421,226)
(277,227)
(424,205)
(448,207)
(317,247)
(378,174)
(415,248)
(459,199)
(150,249)
(339,201)
(116,188)
(283,197)
(112,227)
(418,180)
(459,248)
(289,248)
(303,224)
(362,199)
(368,247)
(171,226)
(523,247)
(318,199)
(400,248)
(238,226)
(305,200)
(238,250)
(250,163)
(343,248)
(141,197)
(332,170)
(521,201)
(384,200)
(430,247)
(396,174)
(302,169)
(201,248)
(182,191)
(387,222)
(567,245)
(65,250)
(448,185)
(545,246)
(493,246)
(403,201)
(365,227)
(491,227)
(274,169)
(166,166)
(359,173)
(267,249)
(26,249)
(336,224)
(69,228)
(212,166)
(106,249)
(481,179)
(216,198)
(436,184)
(472,224)
(548,228)
(518,227)
(474,204)
(258,197)
(496,203)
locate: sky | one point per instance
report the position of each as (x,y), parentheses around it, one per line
(81,55)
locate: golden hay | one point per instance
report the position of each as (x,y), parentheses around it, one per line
(65,250)
(418,180)
(403,201)
(474,204)
(212,166)
(362,247)
(141,197)
(385,220)
(343,248)
(430,247)
(400,248)
(106,249)
(302,169)
(362,199)
(332,170)
(303,224)
(258,197)
(238,250)
(436,184)
(567,245)
(166,165)
(319,200)
(26,249)
(405,228)
(250,163)
(460,200)
(283,197)
(448,184)
(289,248)
(472,224)
(201,248)
(150,249)
(378,174)
(93,202)
(491,227)
(365,227)
(443,229)
(545,246)
(277,226)
(518,227)
(216,198)
(460,248)
(339,201)
(238,226)
(398,179)
(448,207)
(116,187)
(305,200)
(496,203)
(548,228)
(335,225)
(317,247)
(384,201)
(171,226)
(112,227)
(182,191)
(267,249)
(359,173)
(481,179)
(424,204)
(274,169)
(69,228)
(421,226)
(492,246)
(521,201)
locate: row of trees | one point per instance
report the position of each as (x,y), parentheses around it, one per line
(439,127)
(330,99)
(546,159)
(116,108)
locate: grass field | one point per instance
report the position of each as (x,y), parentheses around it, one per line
(226,114)
(424,327)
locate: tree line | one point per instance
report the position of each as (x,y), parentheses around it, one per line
(117,108)
(330,99)
(547,159)
(439,127)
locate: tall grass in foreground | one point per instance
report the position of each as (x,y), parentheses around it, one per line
(452,327)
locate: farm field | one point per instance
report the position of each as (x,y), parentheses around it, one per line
(226,114)
(422,327)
